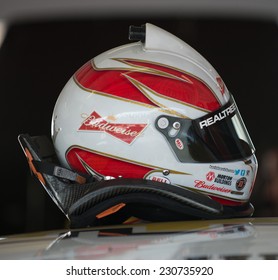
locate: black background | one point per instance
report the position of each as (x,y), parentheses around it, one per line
(38,57)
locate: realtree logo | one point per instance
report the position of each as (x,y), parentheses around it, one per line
(124,132)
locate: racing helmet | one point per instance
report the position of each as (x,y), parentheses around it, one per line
(156,129)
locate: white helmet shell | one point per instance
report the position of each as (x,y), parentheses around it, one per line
(156,110)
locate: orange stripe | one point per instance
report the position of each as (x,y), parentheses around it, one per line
(111,210)
(30,162)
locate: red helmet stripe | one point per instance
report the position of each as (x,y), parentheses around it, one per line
(104,165)
(163,80)
(110,82)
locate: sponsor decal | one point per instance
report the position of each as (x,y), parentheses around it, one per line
(179,144)
(210,176)
(218,117)
(125,132)
(223,169)
(202,185)
(160,179)
(242,172)
(240,183)
(223,179)
(237,172)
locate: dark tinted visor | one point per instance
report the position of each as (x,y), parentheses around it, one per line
(218,136)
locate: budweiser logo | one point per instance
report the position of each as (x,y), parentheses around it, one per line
(124,132)
(202,185)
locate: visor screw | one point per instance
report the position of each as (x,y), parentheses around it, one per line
(162,123)
(166,172)
(176,125)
